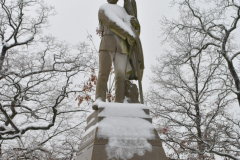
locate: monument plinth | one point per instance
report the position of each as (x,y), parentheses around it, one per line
(132,138)
(120,131)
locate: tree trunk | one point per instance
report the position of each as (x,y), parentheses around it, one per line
(236,79)
(4,51)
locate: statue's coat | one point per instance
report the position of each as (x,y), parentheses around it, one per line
(131,8)
(112,42)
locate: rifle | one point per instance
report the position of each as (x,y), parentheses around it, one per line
(131,8)
(139,78)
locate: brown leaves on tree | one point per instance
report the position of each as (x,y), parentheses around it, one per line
(110,97)
(89,86)
(163,130)
(87,89)
(99,31)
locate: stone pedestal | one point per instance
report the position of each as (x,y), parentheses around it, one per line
(93,148)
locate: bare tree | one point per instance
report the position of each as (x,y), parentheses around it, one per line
(39,77)
(59,142)
(189,107)
(216,22)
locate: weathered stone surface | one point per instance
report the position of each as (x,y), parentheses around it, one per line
(97,152)
(93,148)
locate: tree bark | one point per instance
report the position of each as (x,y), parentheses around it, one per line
(3,54)
(235,78)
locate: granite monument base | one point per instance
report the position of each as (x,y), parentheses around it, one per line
(94,148)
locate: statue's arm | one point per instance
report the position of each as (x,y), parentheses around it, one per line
(131,8)
(135,24)
(112,25)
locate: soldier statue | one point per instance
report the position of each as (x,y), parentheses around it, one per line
(121,48)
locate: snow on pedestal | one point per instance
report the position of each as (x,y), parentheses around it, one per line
(120,131)
(125,128)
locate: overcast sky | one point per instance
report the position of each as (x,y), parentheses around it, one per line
(76,16)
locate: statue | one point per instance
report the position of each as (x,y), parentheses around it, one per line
(121,46)
(110,130)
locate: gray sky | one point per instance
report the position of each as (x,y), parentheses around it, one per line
(76,16)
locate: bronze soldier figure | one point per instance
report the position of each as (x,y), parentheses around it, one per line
(116,47)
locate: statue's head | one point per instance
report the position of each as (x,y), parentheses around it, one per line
(112,1)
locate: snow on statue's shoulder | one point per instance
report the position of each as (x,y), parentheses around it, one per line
(118,15)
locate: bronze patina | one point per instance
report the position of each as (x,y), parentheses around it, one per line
(122,49)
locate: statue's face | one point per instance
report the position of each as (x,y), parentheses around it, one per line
(112,1)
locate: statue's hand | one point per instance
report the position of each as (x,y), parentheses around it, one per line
(134,22)
(130,40)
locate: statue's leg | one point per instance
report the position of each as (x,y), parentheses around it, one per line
(120,65)
(105,63)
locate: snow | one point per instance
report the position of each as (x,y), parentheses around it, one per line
(4,43)
(89,130)
(97,102)
(125,100)
(123,110)
(126,129)
(126,148)
(119,15)
(7,129)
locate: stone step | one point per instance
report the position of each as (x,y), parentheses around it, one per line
(95,113)
(97,118)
